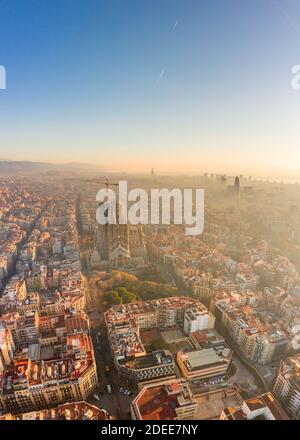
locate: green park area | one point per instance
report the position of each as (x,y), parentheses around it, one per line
(123,288)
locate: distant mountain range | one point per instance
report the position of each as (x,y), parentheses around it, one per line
(28,167)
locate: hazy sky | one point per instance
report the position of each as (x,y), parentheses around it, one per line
(130,84)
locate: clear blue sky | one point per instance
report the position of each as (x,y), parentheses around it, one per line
(132,84)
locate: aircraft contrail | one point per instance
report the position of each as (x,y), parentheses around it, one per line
(287,16)
(175,25)
(163,71)
(160,76)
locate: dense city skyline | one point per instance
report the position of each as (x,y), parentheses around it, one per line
(149,214)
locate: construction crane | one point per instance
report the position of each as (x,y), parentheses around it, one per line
(107,183)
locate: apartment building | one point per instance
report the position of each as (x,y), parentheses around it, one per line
(171,400)
(287,386)
(137,367)
(264,407)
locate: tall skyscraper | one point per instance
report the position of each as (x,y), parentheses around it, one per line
(237,186)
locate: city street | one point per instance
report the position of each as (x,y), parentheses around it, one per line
(116,403)
(244,379)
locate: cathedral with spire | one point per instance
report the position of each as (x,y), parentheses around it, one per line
(119,246)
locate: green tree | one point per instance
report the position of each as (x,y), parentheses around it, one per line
(126,295)
(113,297)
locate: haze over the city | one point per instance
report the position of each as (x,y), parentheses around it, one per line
(149,215)
(178,86)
